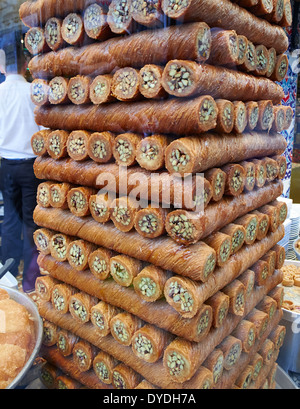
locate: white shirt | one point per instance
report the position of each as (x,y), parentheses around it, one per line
(17,124)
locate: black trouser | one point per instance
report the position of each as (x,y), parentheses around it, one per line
(19,188)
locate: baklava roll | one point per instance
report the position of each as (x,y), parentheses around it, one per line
(232,349)
(149,284)
(103,366)
(289,114)
(235,179)
(60,297)
(149,343)
(273,213)
(242,49)
(59,245)
(214,363)
(263,7)
(78,253)
(57,144)
(150,84)
(267,351)
(217,178)
(100,89)
(265,116)
(252,114)
(277,336)
(237,234)
(95,22)
(250,224)
(260,172)
(43,194)
(287,18)
(39,92)
(58,91)
(124,269)
(272,62)
(48,375)
(72,29)
(277,13)
(250,62)
(101,316)
(150,152)
(39,142)
(44,286)
(35,41)
(125,148)
(53,35)
(123,326)
(224,47)
(65,382)
(248,279)
(240,117)
(219,303)
(245,331)
(268,305)
(272,168)
(59,195)
(245,378)
(100,207)
(236,292)
(279,117)
(281,68)
(261,271)
(125,84)
(50,331)
(79,89)
(100,146)
(80,306)
(150,222)
(78,200)
(280,256)
(42,238)
(66,341)
(262,58)
(99,263)
(277,293)
(125,378)
(250,175)
(83,355)
(77,145)
(123,212)
(257,363)
(282,208)
(221,243)
(119,16)
(263,225)
(225,118)
(282,165)
(147,13)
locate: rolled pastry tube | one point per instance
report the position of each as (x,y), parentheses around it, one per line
(78,253)
(279,117)
(43,194)
(289,114)
(150,222)
(263,7)
(58,91)
(80,306)
(103,366)
(271,168)
(278,294)
(262,57)
(245,378)
(119,16)
(277,336)
(125,84)
(149,343)
(248,279)
(240,117)
(147,13)
(150,85)
(61,294)
(125,378)
(50,331)
(250,62)
(83,355)
(101,316)
(65,342)
(280,256)
(237,233)
(242,49)
(245,331)
(250,175)
(221,243)
(48,375)
(72,29)
(250,223)
(79,89)
(252,114)
(38,142)
(272,62)
(59,195)
(77,145)
(282,208)
(56,143)
(44,286)
(150,152)
(261,271)
(235,179)
(260,173)
(232,349)
(236,292)
(59,245)
(277,13)
(39,92)
(268,305)
(124,269)
(273,213)
(125,148)
(267,351)
(65,382)
(281,68)
(282,165)
(214,363)
(287,18)
(95,22)
(123,326)
(100,207)
(219,303)
(100,89)
(78,200)
(263,225)
(150,282)
(224,47)
(123,212)
(257,363)
(266,115)
(42,239)
(53,35)
(35,41)
(99,263)
(225,119)
(100,146)
(217,178)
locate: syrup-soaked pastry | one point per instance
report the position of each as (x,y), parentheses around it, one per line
(240,117)
(273,213)
(125,148)
(50,331)
(250,175)
(100,207)
(268,305)
(282,208)
(217,178)
(224,47)
(44,286)
(245,331)
(248,279)
(280,256)
(125,84)
(277,336)
(221,243)
(124,377)
(119,16)
(80,306)
(77,145)
(236,292)
(226,114)
(83,355)
(232,349)
(235,179)
(78,200)
(48,375)
(43,194)
(237,233)
(220,307)
(272,62)
(252,114)
(147,13)
(39,142)
(262,58)
(214,363)
(279,117)
(39,92)
(58,91)
(261,271)
(245,377)
(35,41)
(250,62)
(287,18)
(53,33)
(123,326)
(257,364)
(101,316)
(99,263)
(150,221)
(59,195)
(42,239)
(281,67)
(79,89)
(260,172)
(242,49)
(250,224)
(57,144)
(265,116)
(122,213)
(59,245)
(95,22)
(124,269)
(263,7)
(271,168)
(103,366)
(289,114)
(66,341)
(150,152)
(72,29)
(277,13)
(150,282)
(78,253)
(100,146)
(61,294)
(150,85)
(267,351)
(100,89)
(262,225)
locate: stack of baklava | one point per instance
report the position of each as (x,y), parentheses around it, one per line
(161,163)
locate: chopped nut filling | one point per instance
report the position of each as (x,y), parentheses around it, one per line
(99,320)
(122,215)
(210,265)
(61,385)
(57,89)
(143,346)
(149,79)
(120,331)
(222,314)
(257,369)
(250,55)
(250,176)
(126,82)
(179,158)
(38,92)
(268,117)
(219,185)
(241,116)
(242,48)
(262,60)
(217,369)
(77,91)
(118,380)
(62,343)
(149,151)
(233,45)
(99,209)
(261,175)
(77,201)
(102,371)
(77,145)
(55,144)
(204,42)
(203,322)
(263,226)
(247,381)
(236,181)
(225,250)
(254,117)
(79,310)
(240,301)
(272,63)
(119,271)
(237,239)
(81,357)
(147,286)
(42,241)
(99,150)
(233,355)
(201,199)
(177,5)
(34,39)
(60,247)
(251,337)
(282,68)
(148,223)
(121,13)
(51,32)
(280,119)
(44,195)
(271,171)
(282,214)
(47,377)
(71,26)
(58,300)
(99,265)
(38,144)
(41,288)
(207,111)
(176,363)
(92,19)
(47,335)
(145,7)
(100,88)
(227,116)
(180,295)
(251,229)
(76,255)
(55,195)
(280,8)
(264,273)
(124,149)
(179,78)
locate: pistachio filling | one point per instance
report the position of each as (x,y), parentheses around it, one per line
(250,176)
(179,78)
(121,13)
(58,300)
(38,92)
(261,175)
(233,45)
(61,385)
(282,68)
(251,230)
(143,346)
(181,296)
(242,48)
(81,357)
(254,117)
(201,198)
(207,111)
(47,335)
(282,214)
(149,151)
(263,226)
(99,150)
(203,322)
(271,171)
(204,42)
(99,265)
(102,371)
(219,184)
(250,55)
(47,377)
(237,239)
(98,320)
(272,63)
(264,273)
(147,287)
(51,32)
(280,8)
(267,117)
(280,119)
(71,26)
(77,201)
(126,82)
(217,369)
(145,7)
(236,181)
(262,60)
(42,290)
(124,149)
(62,343)
(227,116)
(38,145)
(100,89)
(176,363)
(209,265)
(44,195)
(257,369)
(181,227)
(222,314)
(79,310)
(122,215)
(99,209)
(272,311)
(92,19)
(240,301)
(241,117)
(148,223)
(77,145)
(178,158)
(120,331)
(34,39)
(251,337)
(289,116)
(57,89)
(247,381)
(42,241)
(225,250)
(119,272)
(118,380)
(55,144)
(233,355)
(177,5)
(76,254)
(55,196)
(149,79)
(77,91)
(59,245)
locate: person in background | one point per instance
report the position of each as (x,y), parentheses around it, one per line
(19,184)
